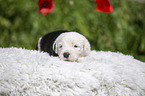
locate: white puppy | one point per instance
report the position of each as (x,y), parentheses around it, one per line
(69,46)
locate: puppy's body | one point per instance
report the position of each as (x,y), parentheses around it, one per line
(45,42)
(67,45)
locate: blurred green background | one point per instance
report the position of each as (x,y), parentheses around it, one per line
(122,30)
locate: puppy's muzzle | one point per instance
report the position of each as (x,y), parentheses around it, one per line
(66,54)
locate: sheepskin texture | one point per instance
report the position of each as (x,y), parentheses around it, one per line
(32,73)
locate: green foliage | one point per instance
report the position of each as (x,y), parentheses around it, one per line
(122,30)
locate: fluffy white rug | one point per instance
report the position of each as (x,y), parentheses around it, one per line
(31,73)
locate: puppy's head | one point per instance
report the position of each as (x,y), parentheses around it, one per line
(71,45)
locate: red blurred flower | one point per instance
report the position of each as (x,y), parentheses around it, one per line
(45,6)
(103,6)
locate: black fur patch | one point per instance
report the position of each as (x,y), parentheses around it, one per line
(47,41)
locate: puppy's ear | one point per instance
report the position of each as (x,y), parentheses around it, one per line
(55,47)
(86,48)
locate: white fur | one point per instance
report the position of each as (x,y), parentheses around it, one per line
(74,43)
(39,42)
(33,73)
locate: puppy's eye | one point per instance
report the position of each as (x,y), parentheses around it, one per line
(76,46)
(60,46)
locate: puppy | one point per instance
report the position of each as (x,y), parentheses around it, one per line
(69,46)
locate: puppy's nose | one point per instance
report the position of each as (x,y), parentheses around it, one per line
(66,54)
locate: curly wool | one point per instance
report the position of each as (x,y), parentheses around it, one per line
(31,73)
